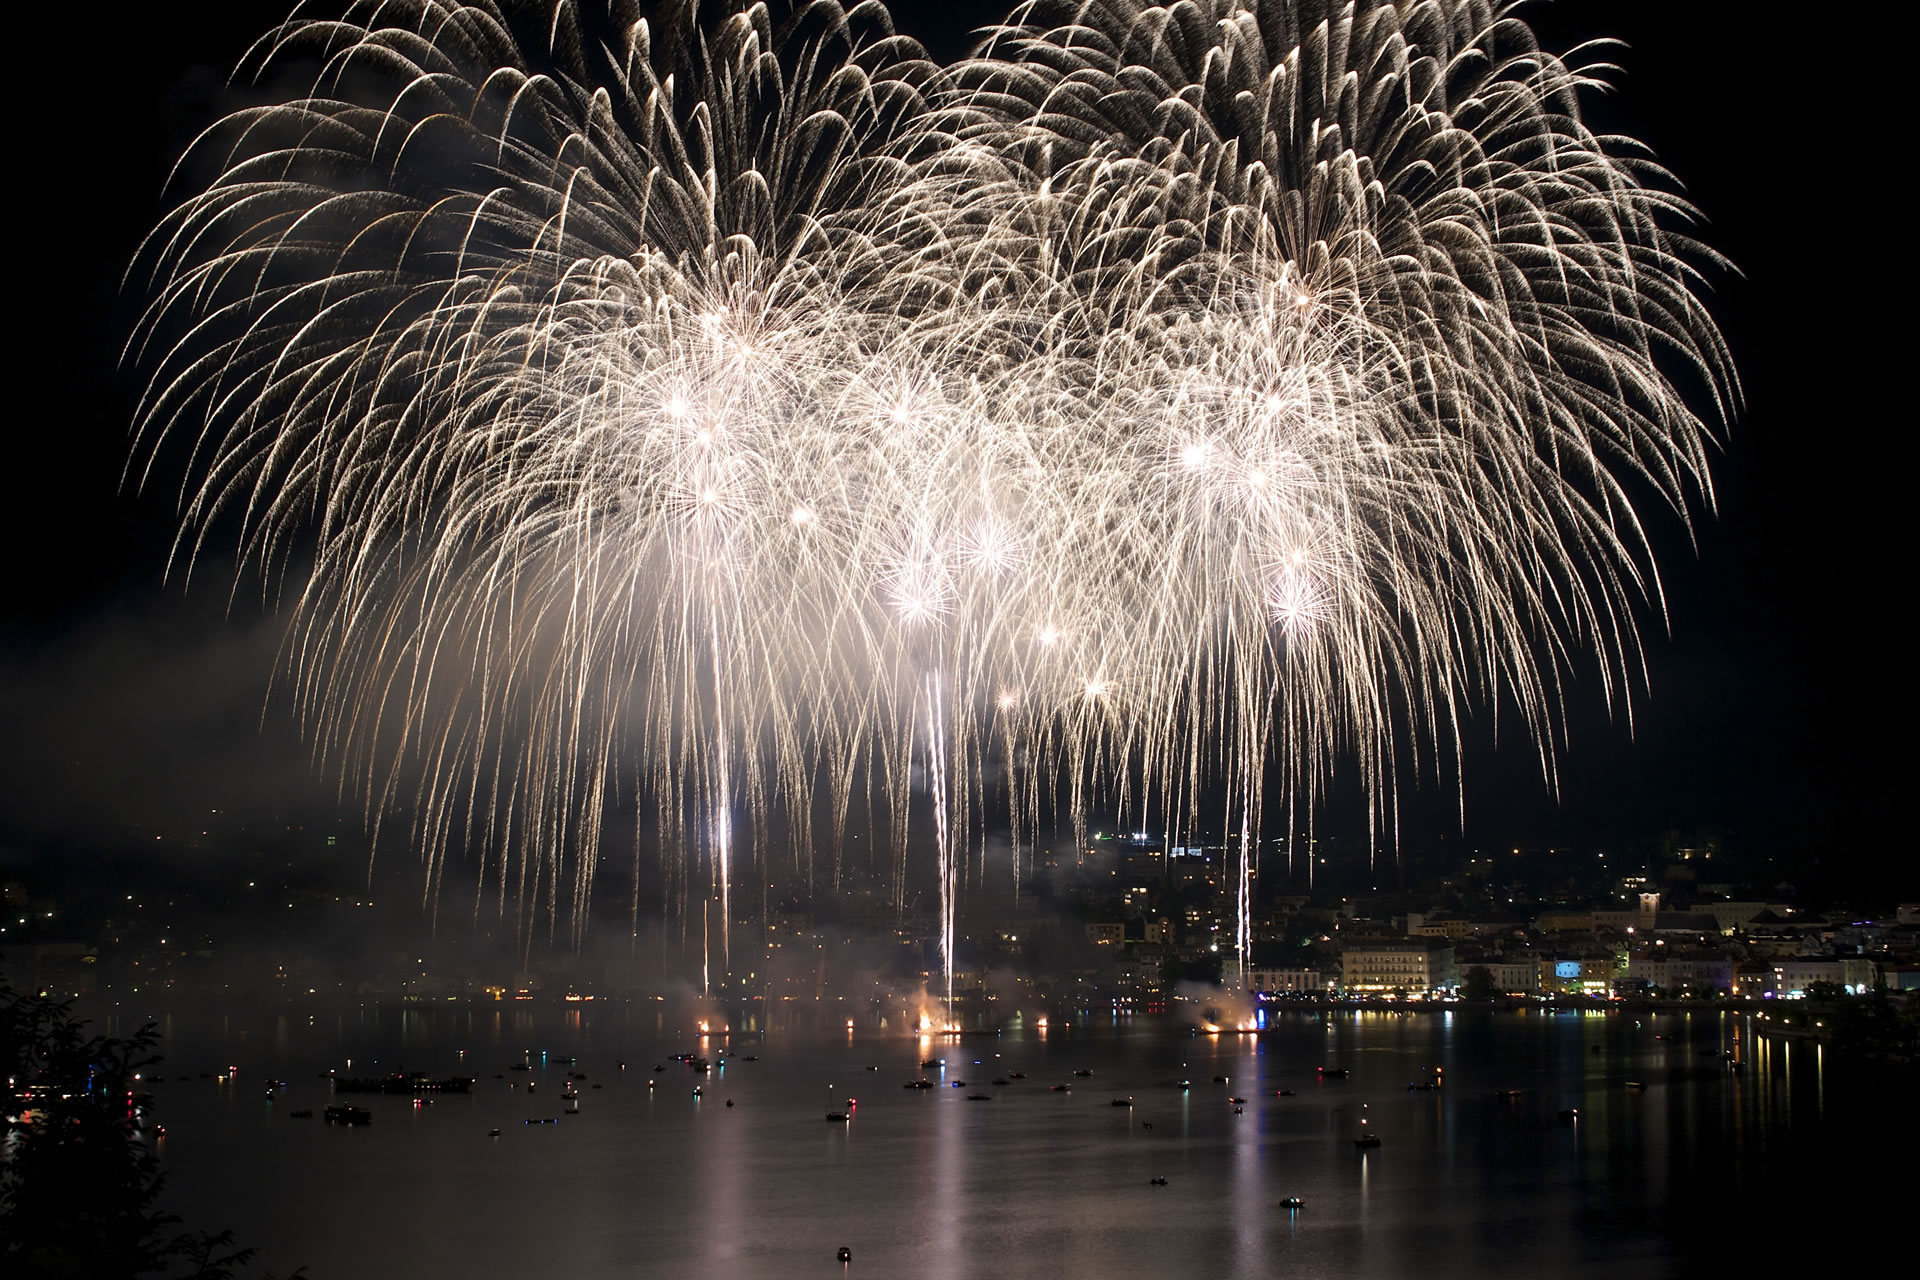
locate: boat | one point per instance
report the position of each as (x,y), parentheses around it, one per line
(1293,1202)
(979,1097)
(402,1084)
(958,1084)
(343,1114)
(921,1083)
(1238,1102)
(1083,1072)
(838,1117)
(1367,1139)
(1001,1082)
(1284,1093)
(1333,1073)
(1157,1182)
(931,1063)
(1223,1079)
(1121,1102)
(1016,1075)
(1062,1088)
(1570,1115)
(1636,1085)
(493,1133)
(300,1115)
(846,1254)
(697,1092)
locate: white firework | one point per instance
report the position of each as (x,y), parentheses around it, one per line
(1173,402)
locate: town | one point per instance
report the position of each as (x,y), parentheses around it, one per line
(1121,922)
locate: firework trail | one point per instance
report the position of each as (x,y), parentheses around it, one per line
(708,405)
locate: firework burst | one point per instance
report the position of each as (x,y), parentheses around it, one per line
(1168,401)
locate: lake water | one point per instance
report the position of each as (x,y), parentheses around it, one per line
(1706,1165)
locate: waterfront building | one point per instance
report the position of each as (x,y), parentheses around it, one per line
(1676,972)
(1412,965)
(1285,981)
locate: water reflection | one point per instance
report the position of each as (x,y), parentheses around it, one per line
(653,1181)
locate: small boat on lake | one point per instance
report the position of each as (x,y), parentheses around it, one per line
(401,1083)
(1293,1202)
(1367,1138)
(342,1114)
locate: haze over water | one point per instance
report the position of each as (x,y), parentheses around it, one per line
(925,1183)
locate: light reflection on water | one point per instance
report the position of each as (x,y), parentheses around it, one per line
(928,1184)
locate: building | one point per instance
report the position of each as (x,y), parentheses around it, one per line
(1794,976)
(1565,922)
(1753,978)
(1514,977)
(1439,925)
(1737,915)
(1411,965)
(1563,975)
(1279,981)
(1670,972)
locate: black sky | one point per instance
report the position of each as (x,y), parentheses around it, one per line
(1777,710)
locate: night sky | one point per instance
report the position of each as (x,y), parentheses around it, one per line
(1775,714)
